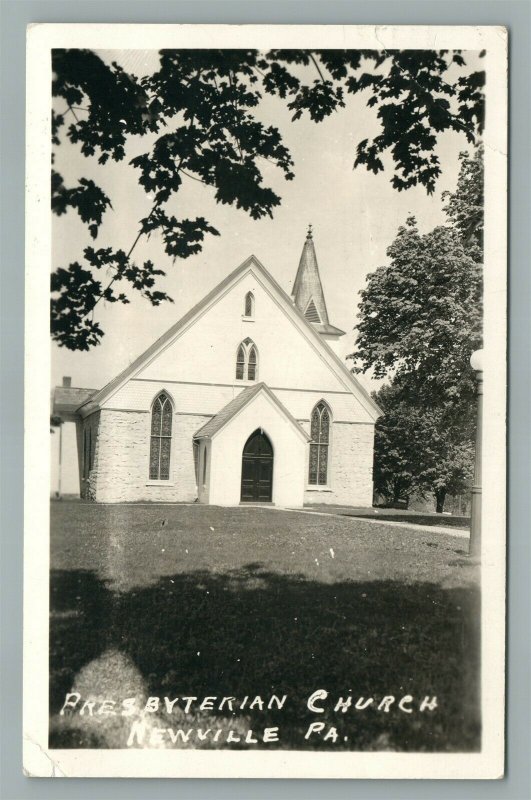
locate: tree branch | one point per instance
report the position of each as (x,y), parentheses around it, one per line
(193,177)
(235,116)
(316,65)
(141,232)
(70,108)
(421,89)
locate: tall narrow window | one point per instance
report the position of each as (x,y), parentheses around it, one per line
(196,447)
(240,363)
(160,450)
(249,305)
(247,361)
(320,433)
(205,459)
(85,453)
(251,366)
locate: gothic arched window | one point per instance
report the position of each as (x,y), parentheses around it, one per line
(251,364)
(247,361)
(160,445)
(240,363)
(320,441)
(249,305)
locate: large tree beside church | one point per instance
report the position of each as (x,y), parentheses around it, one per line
(201,109)
(420,318)
(421,450)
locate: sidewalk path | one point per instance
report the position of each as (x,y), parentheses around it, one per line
(460,533)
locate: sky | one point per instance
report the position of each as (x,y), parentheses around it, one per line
(355,217)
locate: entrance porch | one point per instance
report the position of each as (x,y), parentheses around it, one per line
(252,451)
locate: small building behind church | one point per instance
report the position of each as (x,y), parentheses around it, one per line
(243,400)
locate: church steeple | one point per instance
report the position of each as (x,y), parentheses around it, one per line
(307,290)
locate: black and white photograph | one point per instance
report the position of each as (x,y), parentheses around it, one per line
(265,401)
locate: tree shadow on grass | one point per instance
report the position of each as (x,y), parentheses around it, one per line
(253,632)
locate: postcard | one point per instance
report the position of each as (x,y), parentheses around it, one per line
(265,396)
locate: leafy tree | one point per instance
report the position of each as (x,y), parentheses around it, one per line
(394,447)
(465,206)
(420,316)
(420,449)
(200,106)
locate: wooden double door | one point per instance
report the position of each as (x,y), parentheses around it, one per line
(257,469)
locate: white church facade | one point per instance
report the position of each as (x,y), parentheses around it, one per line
(243,400)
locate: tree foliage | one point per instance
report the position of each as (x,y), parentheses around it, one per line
(201,107)
(420,318)
(420,449)
(465,206)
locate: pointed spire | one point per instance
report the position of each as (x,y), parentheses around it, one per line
(307,290)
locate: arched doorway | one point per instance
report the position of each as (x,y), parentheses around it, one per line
(257,469)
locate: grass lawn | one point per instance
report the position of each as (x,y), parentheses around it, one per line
(202,601)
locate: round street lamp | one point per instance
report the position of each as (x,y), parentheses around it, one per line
(474,546)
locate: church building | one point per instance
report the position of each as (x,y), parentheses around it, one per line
(243,400)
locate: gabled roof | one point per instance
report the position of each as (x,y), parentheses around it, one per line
(261,273)
(223,417)
(66,399)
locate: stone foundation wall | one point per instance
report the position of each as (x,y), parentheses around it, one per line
(121,469)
